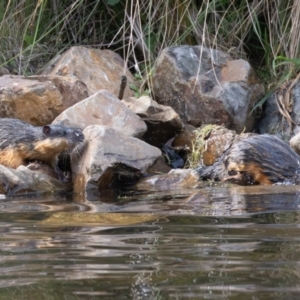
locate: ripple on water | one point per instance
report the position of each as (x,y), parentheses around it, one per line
(217,242)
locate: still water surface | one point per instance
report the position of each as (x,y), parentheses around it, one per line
(216,242)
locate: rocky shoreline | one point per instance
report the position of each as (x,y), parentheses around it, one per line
(80,88)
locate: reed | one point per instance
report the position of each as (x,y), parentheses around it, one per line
(265,32)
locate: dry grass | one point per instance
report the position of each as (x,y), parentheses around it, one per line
(266,32)
(199,145)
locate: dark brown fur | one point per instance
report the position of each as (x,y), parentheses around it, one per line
(21,142)
(260,159)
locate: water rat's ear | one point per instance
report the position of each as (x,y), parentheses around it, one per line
(46,129)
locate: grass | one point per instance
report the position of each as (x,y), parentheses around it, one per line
(198,145)
(265,32)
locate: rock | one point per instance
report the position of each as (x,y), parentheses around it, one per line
(175,179)
(23,180)
(218,91)
(103,108)
(32,101)
(111,155)
(41,168)
(162,121)
(98,69)
(3,71)
(38,100)
(71,89)
(159,167)
(273,122)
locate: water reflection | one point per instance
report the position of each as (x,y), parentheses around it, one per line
(216,242)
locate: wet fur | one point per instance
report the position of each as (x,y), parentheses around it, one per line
(260,159)
(21,142)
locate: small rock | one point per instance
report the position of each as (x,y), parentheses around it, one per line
(103,108)
(41,168)
(109,156)
(174,180)
(23,180)
(159,167)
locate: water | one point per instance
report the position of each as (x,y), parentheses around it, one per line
(216,242)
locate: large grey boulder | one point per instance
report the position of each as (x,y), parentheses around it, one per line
(207,86)
(110,156)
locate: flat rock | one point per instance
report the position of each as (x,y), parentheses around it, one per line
(111,156)
(103,108)
(98,69)
(23,180)
(174,180)
(219,90)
